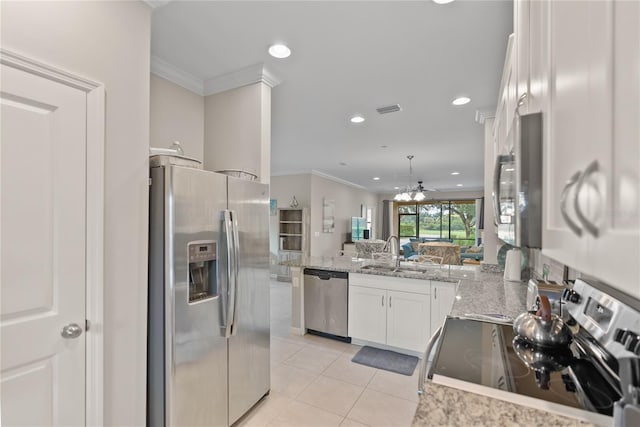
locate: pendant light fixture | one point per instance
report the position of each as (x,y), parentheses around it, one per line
(409,194)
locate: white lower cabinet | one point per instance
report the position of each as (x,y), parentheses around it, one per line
(367,314)
(407,320)
(396,312)
(443,294)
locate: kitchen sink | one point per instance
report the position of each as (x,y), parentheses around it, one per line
(394,269)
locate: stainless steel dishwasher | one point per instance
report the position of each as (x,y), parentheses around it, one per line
(326,302)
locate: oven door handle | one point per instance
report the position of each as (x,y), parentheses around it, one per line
(425,359)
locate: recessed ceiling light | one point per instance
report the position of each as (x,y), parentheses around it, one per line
(455,173)
(396,188)
(461,100)
(442,1)
(376,178)
(458,185)
(357,119)
(279,51)
(384,146)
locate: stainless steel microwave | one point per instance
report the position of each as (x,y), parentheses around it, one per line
(517,185)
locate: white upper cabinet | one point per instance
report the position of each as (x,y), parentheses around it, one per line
(616,249)
(506,102)
(591,155)
(568,144)
(531,38)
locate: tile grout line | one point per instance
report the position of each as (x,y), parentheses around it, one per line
(326,410)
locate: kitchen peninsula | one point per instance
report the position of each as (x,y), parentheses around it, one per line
(477,292)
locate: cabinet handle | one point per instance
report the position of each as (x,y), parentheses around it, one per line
(521,101)
(435,293)
(588,225)
(389,302)
(563,204)
(383,300)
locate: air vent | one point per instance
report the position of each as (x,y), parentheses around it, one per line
(389,109)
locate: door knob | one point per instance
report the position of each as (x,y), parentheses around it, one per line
(72,330)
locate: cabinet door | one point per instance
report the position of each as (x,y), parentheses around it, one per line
(521,31)
(538,85)
(506,104)
(367,314)
(408,320)
(620,228)
(443,294)
(567,138)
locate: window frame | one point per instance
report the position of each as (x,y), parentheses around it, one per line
(444,205)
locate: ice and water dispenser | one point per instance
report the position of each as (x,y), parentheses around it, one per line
(202,271)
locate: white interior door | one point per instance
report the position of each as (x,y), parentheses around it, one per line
(42,255)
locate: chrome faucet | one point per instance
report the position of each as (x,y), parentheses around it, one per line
(388,247)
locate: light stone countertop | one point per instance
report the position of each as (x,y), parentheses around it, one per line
(408,269)
(446,406)
(480,292)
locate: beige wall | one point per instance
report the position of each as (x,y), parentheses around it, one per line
(176,114)
(237,130)
(108,42)
(310,191)
(283,188)
(348,201)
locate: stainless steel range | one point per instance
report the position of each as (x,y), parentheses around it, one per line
(583,379)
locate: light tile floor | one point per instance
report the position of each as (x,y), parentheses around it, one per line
(314,382)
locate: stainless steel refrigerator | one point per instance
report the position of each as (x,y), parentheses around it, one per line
(208,330)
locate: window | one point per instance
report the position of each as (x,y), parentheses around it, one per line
(408,221)
(441,219)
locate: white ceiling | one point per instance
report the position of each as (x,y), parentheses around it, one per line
(353,57)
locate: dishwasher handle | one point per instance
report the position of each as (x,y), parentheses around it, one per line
(325,274)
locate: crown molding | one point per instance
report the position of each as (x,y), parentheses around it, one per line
(170,72)
(155,4)
(253,74)
(482,115)
(338,180)
(321,175)
(292,172)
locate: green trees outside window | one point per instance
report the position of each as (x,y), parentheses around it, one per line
(450,219)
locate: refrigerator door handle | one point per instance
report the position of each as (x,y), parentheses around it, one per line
(235,272)
(228,302)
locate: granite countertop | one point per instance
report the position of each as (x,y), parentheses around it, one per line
(480,292)
(446,406)
(490,295)
(408,269)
